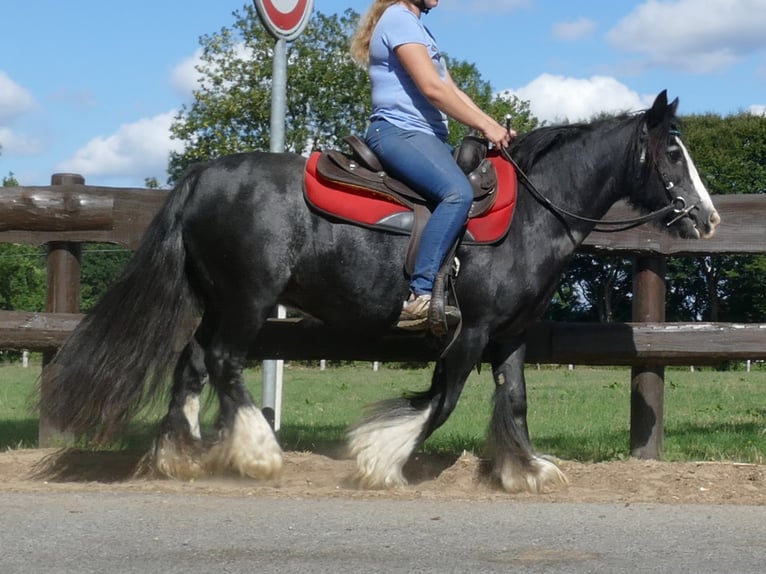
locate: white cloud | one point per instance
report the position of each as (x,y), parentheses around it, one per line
(16,144)
(136,150)
(14,100)
(757,110)
(558,98)
(575,30)
(693,36)
(185,77)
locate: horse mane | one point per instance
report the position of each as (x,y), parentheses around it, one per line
(531,147)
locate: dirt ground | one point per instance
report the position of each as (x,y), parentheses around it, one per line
(310,475)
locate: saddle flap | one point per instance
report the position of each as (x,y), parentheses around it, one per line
(484,182)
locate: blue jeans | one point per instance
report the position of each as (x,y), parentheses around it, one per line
(425,163)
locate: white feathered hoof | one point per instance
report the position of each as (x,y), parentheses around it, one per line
(382,446)
(377,467)
(370,474)
(248,449)
(177,459)
(537,476)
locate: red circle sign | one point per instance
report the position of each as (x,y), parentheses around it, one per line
(284,18)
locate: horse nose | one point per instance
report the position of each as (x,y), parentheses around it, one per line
(712,223)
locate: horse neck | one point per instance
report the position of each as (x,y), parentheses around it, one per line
(585,173)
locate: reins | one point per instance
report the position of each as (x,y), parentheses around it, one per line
(677,205)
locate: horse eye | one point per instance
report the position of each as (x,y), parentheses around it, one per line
(674,153)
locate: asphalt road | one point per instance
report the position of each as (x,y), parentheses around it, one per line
(181,534)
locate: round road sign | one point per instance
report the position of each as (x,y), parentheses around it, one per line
(284,18)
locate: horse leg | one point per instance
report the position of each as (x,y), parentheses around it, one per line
(514,463)
(246,443)
(177,450)
(385,440)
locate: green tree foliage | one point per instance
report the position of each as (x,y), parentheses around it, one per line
(730,153)
(328,95)
(593,289)
(468,78)
(102,264)
(22,272)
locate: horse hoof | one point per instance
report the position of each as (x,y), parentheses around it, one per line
(538,476)
(249,449)
(372,480)
(222,457)
(177,460)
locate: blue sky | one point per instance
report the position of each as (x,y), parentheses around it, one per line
(90,86)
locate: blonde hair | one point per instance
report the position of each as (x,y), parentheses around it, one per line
(360,43)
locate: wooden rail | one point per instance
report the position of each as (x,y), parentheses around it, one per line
(550,342)
(68,213)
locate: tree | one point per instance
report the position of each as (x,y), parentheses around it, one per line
(102,264)
(327,98)
(22,272)
(328,95)
(730,154)
(468,78)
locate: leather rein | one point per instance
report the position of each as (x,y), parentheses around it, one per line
(677,204)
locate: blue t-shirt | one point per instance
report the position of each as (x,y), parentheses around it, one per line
(395,97)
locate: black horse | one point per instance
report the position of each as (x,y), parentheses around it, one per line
(236,237)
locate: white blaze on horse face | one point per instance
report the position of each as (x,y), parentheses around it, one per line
(705,202)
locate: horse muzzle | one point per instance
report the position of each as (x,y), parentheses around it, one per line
(695,222)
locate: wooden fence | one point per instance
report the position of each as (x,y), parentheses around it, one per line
(68,213)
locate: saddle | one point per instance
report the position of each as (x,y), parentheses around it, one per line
(392,205)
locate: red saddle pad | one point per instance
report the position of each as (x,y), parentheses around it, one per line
(371,209)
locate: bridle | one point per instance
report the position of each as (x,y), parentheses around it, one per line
(677,204)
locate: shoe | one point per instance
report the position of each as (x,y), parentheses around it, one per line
(414,313)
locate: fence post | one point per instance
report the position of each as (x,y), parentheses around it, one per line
(62,295)
(647,389)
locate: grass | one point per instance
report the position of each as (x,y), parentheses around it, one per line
(582,414)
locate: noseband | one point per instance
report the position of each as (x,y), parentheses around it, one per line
(677,204)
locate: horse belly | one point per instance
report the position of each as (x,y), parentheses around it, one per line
(357,277)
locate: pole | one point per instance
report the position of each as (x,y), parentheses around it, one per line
(647,390)
(271,397)
(62,295)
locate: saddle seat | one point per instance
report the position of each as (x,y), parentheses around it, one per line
(362,168)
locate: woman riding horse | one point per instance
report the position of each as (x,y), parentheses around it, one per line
(412,95)
(237,237)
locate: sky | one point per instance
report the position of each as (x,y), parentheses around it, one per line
(92,86)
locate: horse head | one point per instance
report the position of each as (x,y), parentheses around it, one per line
(671,175)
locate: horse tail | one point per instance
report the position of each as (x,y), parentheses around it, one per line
(121,352)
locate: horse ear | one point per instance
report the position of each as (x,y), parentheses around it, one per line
(657,113)
(672,107)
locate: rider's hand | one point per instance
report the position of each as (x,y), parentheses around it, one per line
(499,135)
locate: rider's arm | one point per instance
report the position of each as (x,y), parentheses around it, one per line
(445,95)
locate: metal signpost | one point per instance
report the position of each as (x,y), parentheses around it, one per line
(285,20)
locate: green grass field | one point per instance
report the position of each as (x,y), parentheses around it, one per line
(582,414)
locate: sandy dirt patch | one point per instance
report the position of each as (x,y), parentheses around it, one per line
(311,475)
